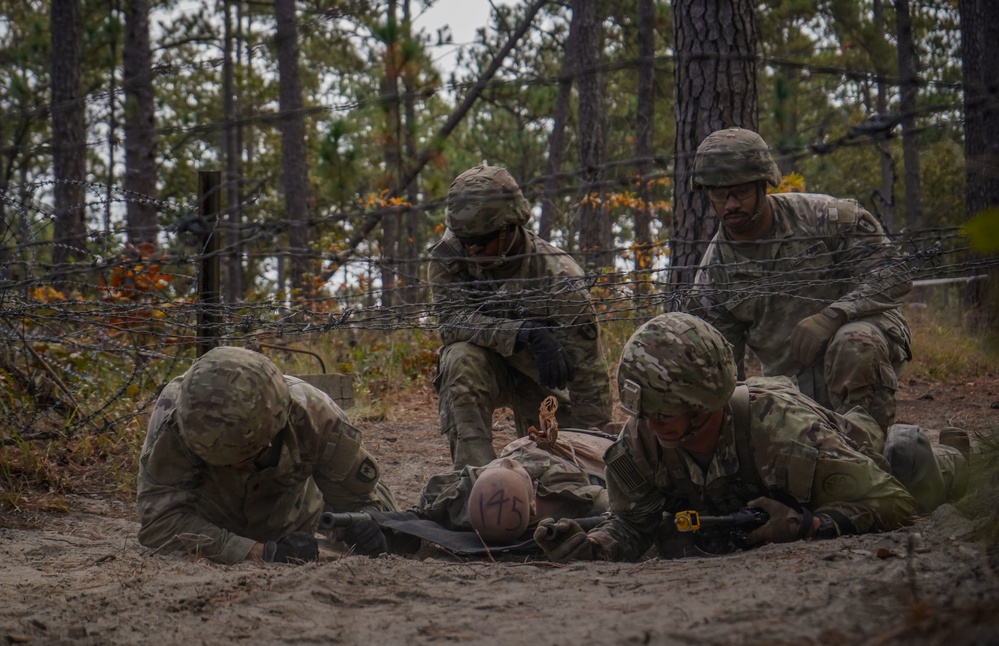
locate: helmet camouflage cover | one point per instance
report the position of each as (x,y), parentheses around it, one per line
(232,403)
(733,156)
(673,365)
(483,199)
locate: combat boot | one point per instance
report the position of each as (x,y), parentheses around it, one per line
(956,438)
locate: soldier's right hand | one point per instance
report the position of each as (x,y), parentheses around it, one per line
(296,547)
(366,538)
(563,541)
(555,367)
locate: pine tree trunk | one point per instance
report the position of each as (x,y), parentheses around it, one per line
(69,147)
(391,153)
(594,223)
(140,134)
(295,178)
(907,105)
(715,44)
(980,58)
(644,113)
(233,171)
(549,208)
(886,201)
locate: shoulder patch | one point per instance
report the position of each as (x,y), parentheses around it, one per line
(367,471)
(446,249)
(623,465)
(867,224)
(842,211)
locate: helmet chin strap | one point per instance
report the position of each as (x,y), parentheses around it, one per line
(508,238)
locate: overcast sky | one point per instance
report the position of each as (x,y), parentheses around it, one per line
(463,16)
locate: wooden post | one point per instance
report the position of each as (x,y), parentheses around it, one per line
(209,292)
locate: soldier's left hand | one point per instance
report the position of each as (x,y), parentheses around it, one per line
(783,526)
(810,334)
(555,365)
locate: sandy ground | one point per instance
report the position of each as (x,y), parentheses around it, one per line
(81,577)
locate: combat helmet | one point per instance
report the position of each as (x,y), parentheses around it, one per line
(673,365)
(232,403)
(501,501)
(482,200)
(733,156)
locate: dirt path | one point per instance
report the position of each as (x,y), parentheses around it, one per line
(81,577)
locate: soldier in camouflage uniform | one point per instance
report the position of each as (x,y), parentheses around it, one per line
(515,319)
(553,486)
(697,440)
(239,462)
(809,282)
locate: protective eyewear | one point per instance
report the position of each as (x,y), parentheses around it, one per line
(721,193)
(480,241)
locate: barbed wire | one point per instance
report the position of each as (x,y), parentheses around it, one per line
(93,351)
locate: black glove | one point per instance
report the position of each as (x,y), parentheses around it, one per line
(563,541)
(366,538)
(555,366)
(296,547)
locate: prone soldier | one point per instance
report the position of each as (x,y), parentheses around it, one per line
(239,461)
(695,440)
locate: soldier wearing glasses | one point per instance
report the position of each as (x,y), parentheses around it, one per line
(810,283)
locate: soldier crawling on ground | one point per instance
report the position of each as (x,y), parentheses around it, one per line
(695,440)
(810,283)
(515,320)
(239,462)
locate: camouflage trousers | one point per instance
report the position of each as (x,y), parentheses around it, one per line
(860,367)
(473,381)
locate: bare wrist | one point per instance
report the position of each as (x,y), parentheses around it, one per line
(256,553)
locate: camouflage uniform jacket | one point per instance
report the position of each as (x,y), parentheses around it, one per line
(800,453)
(475,306)
(577,491)
(315,464)
(823,252)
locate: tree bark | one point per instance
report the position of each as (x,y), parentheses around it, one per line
(295,177)
(549,208)
(886,195)
(644,113)
(715,45)
(69,147)
(140,134)
(414,215)
(907,105)
(595,238)
(391,153)
(980,60)
(233,256)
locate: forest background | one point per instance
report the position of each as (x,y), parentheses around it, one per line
(178,174)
